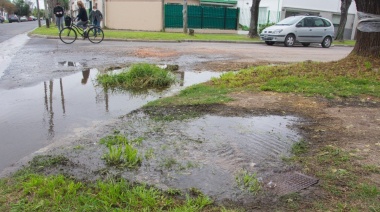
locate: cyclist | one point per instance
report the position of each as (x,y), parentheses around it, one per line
(82,17)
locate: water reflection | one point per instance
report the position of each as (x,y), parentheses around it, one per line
(70,64)
(32,117)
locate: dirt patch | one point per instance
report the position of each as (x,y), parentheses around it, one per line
(155,52)
(232,65)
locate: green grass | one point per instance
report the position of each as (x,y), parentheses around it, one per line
(343,179)
(311,79)
(138,76)
(167,36)
(200,94)
(248,181)
(34,192)
(121,153)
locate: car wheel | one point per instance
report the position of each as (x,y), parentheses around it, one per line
(326,43)
(305,44)
(270,43)
(289,40)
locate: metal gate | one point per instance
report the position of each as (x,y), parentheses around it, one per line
(202,17)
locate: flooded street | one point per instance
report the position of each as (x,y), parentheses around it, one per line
(52,107)
(36,116)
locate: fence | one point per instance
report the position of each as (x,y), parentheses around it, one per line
(202,17)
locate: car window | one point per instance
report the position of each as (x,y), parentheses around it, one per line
(327,23)
(289,21)
(308,22)
(318,22)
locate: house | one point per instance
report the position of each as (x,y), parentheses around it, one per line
(144,15)
(272,11)
(148,15)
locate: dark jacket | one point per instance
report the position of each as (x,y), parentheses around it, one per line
(58,11)
(82,14)
(96,15)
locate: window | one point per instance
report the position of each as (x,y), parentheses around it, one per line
(318,22)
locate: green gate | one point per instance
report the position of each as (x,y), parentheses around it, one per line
(202,17)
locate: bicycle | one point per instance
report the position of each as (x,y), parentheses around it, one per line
(69,33)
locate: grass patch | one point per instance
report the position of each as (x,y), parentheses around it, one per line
(248,182)
(168,36)
(138,76)
(299,148)
(34,192)
(345,42)
(350,77)
(121,153)
(343,180)
(200,94)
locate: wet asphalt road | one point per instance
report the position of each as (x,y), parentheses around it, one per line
(29,61)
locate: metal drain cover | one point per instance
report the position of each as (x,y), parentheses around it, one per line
(286,183)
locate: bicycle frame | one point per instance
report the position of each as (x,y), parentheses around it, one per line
(69,33)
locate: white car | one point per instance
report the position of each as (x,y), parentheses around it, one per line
(302,29)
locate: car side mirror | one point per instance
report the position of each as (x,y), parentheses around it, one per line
(299,24)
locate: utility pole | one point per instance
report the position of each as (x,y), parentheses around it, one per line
(184,16)
(163,15)
(38,13)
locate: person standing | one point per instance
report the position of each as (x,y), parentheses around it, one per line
(96,17)
(59,12)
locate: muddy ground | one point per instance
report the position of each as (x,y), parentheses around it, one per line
(176,157)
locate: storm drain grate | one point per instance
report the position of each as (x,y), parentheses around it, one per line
(292,182)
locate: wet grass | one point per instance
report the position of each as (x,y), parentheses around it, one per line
(249,182)
(349,77)
(201,94)
(121,153)
(343,179)
(138,76)
(33,192)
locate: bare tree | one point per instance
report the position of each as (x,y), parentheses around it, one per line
(368,43)
(345,5)
(254,19)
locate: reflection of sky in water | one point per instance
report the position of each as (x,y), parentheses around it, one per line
(31,117)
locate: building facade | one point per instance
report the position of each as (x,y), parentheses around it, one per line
(272,11)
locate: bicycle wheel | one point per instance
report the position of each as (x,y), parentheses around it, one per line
(68,35)
(95,35)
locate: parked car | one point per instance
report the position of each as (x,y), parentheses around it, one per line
(302,29)
(23,18)
(2,19)
(13,18)
(29,18)
(33,18)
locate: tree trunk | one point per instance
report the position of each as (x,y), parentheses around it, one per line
(367,43)
(345,5)
(254,18)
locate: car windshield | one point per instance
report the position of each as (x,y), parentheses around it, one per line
(289,20)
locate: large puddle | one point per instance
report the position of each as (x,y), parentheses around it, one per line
(33,117)
(206,153)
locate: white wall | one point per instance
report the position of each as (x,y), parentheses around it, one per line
(321,5)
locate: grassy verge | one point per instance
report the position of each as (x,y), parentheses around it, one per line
(168,36)
(346,78)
